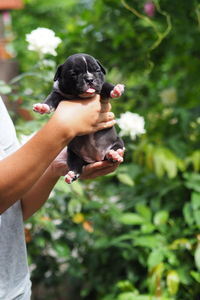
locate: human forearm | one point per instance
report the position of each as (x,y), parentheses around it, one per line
(38,194)
(21,170)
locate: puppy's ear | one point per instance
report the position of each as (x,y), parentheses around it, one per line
(58,72)
(102,68)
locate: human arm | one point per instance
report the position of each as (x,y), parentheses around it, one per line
(22,169)
(39,193)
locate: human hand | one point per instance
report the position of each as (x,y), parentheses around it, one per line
(79,117)
(100,168)
(59,166)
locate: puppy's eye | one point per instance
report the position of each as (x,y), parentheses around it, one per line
(72,73)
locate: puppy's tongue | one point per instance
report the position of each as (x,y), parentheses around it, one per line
(90,91)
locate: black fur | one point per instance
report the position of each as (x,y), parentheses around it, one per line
(73,78)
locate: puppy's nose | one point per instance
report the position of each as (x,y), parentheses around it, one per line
(89,78)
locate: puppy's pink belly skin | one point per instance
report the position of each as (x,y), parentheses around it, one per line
(91,154)
(92,158)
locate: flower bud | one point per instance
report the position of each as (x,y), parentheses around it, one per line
(149,9)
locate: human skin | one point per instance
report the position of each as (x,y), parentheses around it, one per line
(39,193)
(27,169)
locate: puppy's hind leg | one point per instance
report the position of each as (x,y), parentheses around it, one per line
(75,164)
(115,154)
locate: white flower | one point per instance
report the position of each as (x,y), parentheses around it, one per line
(131,124)
(43,41)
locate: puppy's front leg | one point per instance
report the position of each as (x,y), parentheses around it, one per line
(117,91)
(111,91)
(49,104)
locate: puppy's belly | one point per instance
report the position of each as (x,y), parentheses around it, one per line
(86,148)
(92,156)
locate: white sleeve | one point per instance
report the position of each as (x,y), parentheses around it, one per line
(8,138)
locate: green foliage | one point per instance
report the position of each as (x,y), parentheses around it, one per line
(133,234)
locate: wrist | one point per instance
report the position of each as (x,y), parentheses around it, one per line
(63,132)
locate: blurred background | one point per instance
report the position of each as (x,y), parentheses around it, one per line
(133,234)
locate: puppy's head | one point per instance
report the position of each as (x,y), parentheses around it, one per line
(80,75)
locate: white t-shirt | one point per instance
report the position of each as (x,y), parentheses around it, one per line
(14,273)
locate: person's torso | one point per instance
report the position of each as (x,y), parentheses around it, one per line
(14,274)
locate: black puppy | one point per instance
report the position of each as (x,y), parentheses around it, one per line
(82,76)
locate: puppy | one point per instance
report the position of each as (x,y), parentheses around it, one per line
(82,76)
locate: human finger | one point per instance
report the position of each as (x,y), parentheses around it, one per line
(105,106)
(105,125)
(100,168)
(106,116)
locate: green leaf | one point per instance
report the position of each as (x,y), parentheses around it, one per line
(125,179)
(197,257)
(131,219)
(197,217)
(195,199)
(149,241)
(155,277)
(77,188)
(133,296)
(148,228)
(191,210)
(125,285)
(195,275)
(144,211)
(61,249)
(40,241)
(181,243)
(74,206)
(173,282)
(61,186)
(127,296)
(155,257)
(165,161)
(188,214)
(192,181)
(161,217)
(4,88)
(194,159)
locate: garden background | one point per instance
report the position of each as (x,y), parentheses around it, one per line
(134,234)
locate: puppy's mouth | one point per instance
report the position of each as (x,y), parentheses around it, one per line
(90,92)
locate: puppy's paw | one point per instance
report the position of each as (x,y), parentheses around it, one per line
(71,176)
(42,108)
(115,156)
(117,91)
